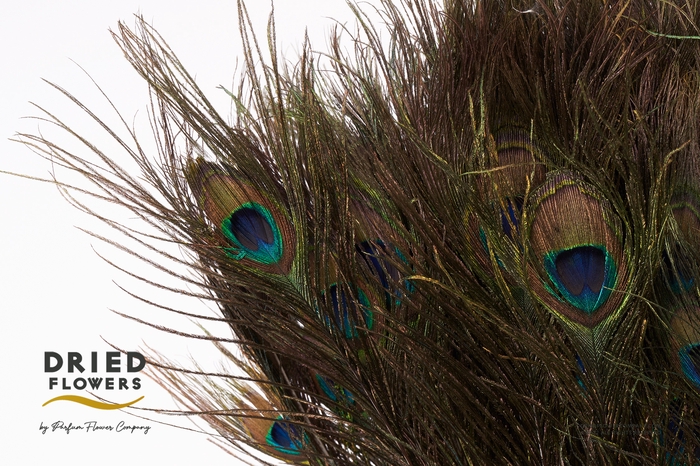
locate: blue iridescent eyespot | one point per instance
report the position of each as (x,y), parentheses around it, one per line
(254,234)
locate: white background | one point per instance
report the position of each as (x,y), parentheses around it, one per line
(55,292)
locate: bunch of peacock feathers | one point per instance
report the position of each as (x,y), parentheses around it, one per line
(476,242)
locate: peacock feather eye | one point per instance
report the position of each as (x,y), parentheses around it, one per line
(685,208)
(676,439)
(375,255)
(510,216)
(582,275)
(285,437)
(380,268)
(271,432)
(510,220)
(685,341)
(516,163)
(257,232)
(378,250)
(678,260)
(254,234)
(345,310)
(517,170)
(679,278)
(690,362)
(512,169)
(575,241)
(335,392)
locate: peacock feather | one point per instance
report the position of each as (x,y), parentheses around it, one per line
(256,231)
(475,241)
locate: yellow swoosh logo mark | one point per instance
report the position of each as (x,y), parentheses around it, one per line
(91,403)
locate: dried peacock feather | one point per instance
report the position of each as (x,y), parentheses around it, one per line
(476,244)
